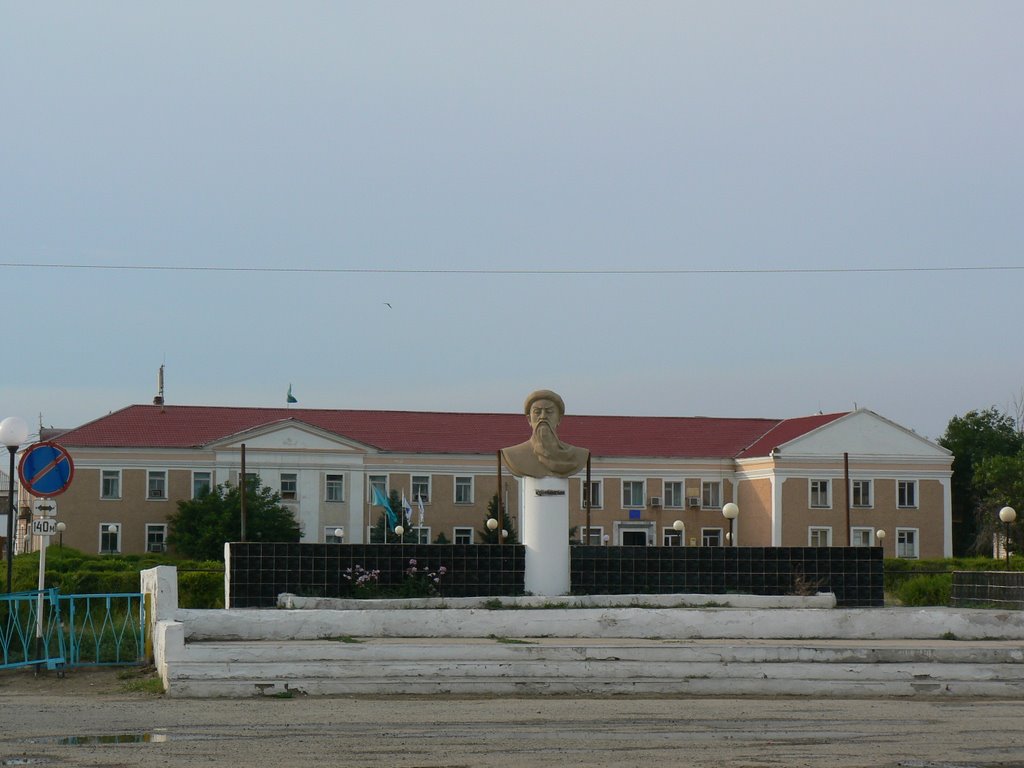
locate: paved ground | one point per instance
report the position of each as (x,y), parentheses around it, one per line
(89,719)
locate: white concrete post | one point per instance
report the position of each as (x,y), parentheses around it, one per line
(545,529)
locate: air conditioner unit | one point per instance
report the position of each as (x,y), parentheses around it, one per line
(156,494)
(655,501)
(693,501)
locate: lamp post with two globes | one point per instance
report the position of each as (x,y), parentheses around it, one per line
(730,511)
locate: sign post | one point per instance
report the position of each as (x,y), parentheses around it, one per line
(46,470)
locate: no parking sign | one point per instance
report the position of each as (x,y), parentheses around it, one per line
(46,469)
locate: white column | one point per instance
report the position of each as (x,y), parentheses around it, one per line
(545,530)
(777,510)
(947,517)
(307,494)
(355,499)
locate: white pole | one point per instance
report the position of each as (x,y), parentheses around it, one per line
(42,583)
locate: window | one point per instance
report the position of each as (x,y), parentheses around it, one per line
(906,542)
(289,486)
(422,534)
(421,488)
(463,490)
(711,537)
(711,495)
(202,484)
(156,484)
(595,494)
(862,537)
(819,537)
(380,482)
(110,484)
(860,493)
(334,534)
(906,493)
(819,494)
(156,537)
(252,479)
(334,488)
(463,535)
(632,493)
(670,537)
(673,494)
(110,538)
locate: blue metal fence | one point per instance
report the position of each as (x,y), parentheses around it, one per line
(23,641)
(77,630)
(105,629)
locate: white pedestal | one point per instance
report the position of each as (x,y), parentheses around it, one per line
(545,529)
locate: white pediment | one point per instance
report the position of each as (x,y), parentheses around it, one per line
(863,433)
(291,435)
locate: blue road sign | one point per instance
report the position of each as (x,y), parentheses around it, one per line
(46,469)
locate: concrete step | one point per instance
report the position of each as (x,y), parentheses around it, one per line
(766,688)
(579,666)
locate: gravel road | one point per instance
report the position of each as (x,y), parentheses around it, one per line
(89,719)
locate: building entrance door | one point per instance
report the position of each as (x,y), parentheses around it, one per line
(634,538)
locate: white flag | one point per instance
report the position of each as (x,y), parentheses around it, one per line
(408,510)
(419,503)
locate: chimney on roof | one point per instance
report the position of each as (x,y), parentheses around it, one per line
(159,399)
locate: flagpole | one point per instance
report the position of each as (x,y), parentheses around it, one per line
(501,517)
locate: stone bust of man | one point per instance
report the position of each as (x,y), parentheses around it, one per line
(544,455)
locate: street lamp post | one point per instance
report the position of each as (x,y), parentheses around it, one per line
(880,537)
(730,512)
(61,527)
(1007,515)
(677,526)
(13,431)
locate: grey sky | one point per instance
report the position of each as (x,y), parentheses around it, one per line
(513,135)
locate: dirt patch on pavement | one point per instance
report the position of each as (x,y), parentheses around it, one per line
(88,681)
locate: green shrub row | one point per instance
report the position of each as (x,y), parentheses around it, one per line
(200,584)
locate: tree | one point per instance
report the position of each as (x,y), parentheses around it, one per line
(201,525)
(998,482)
(487,536)
(971,438)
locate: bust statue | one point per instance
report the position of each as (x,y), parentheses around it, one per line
(544,455)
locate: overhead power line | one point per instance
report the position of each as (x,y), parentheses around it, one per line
(515,271)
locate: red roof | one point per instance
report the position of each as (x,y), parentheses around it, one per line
(786,430)
(190,426)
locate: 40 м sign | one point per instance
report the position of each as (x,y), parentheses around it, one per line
(46,469)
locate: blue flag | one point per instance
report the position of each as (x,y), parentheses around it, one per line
(380,500)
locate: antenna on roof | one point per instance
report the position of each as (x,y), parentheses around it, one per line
(159,399)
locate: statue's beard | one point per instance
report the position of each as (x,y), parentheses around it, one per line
(550,451)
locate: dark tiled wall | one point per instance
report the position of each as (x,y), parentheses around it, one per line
(854,574)
(259,572)
(982,589)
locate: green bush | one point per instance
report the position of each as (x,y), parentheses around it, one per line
(900,570)
(934,589)
(200,584)
(201,589)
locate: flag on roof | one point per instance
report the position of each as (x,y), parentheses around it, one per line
(291,397)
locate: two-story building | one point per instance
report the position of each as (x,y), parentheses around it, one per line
(823,480)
